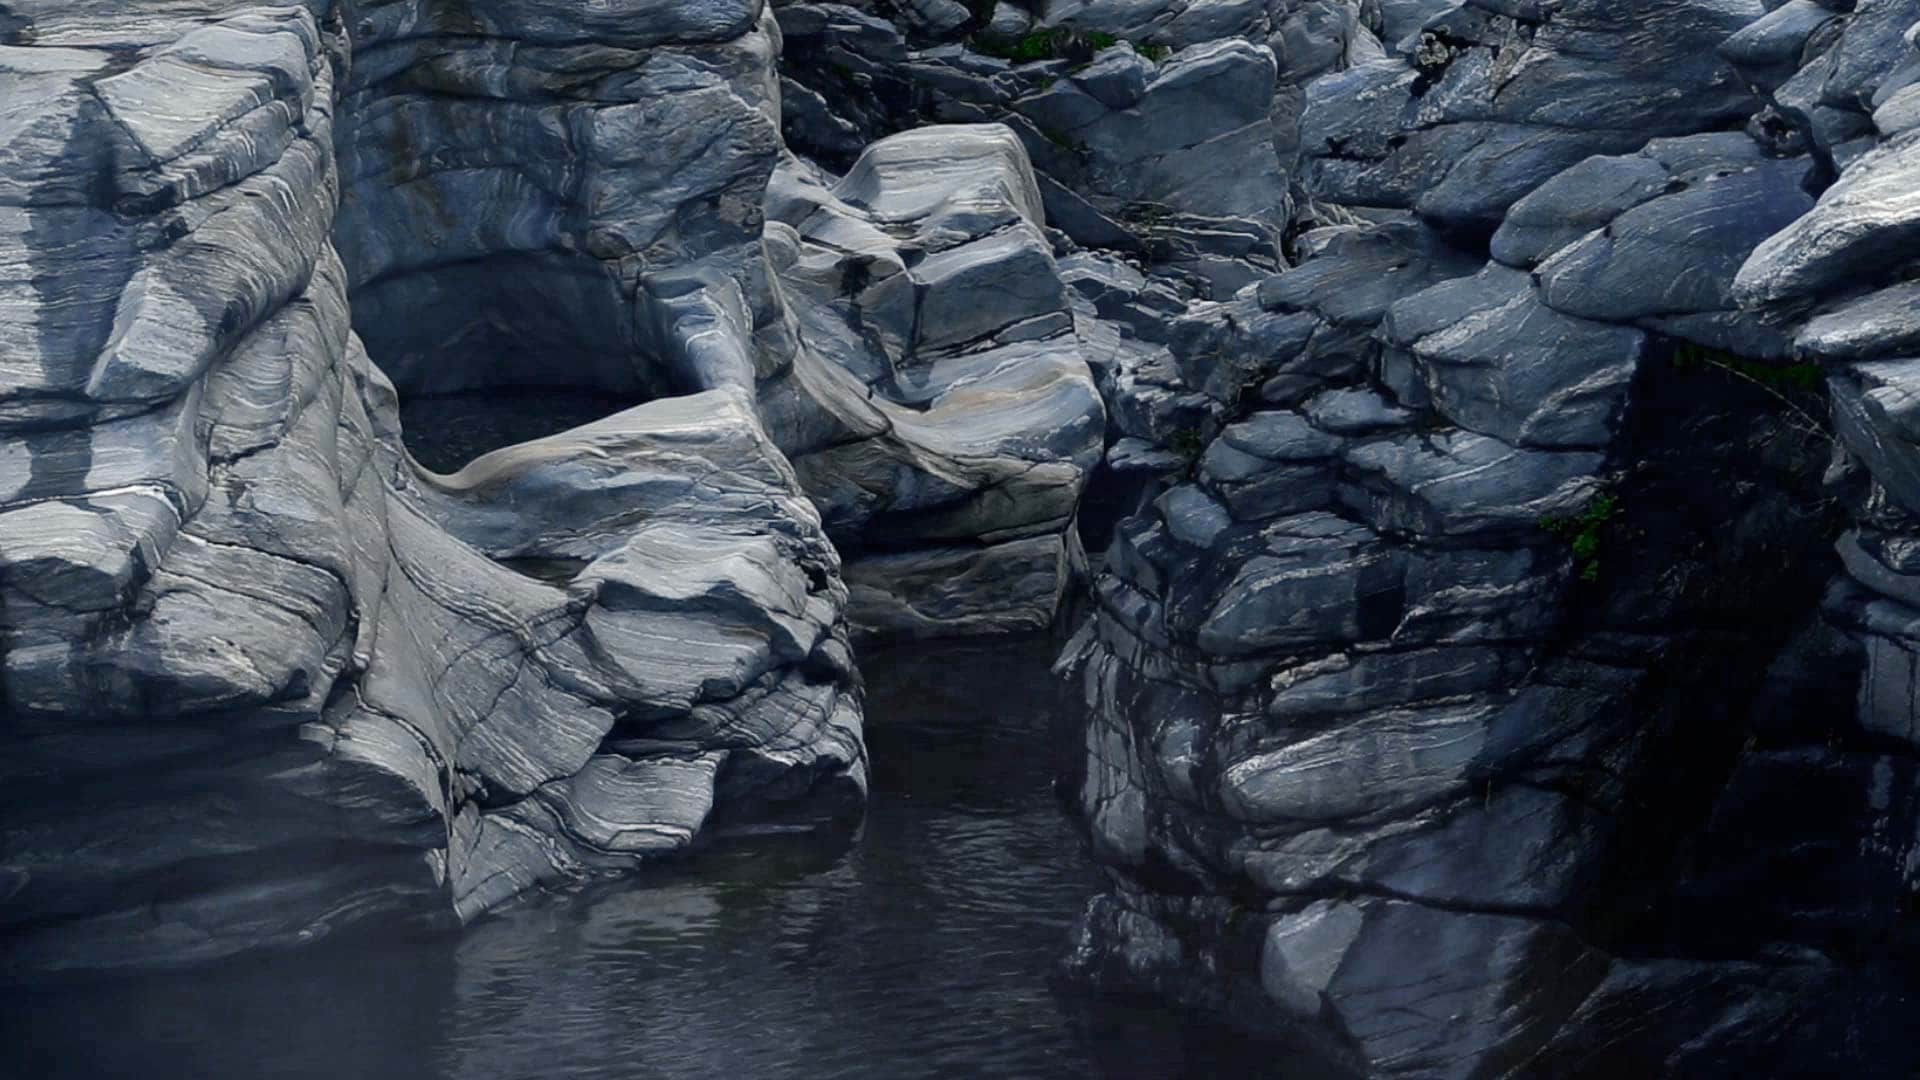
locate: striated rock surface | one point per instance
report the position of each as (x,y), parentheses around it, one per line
(937,339)
(1165,130)
(1475,693)
(265,674)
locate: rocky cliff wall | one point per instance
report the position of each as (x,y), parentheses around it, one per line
(1486,697)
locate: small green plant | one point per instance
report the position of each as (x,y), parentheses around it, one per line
(1089,43)
(1583,531)
(1061,141)
(1039,45)
(1187,443)
(1153,225)
(1151,216)
(1688,356)
(1057,43)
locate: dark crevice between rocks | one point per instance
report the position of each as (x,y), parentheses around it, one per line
(1721,549)
(876,101)
(506,348)
(444,432)
(755,795)
(1109,498)
(552,570)
(14,29)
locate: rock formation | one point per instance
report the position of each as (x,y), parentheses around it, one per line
(1477,702)
(265,675)
(1490,422)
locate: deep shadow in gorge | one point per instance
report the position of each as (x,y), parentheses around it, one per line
(444,432)
(504,349)
(1710,576)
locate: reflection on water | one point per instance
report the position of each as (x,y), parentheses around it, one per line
(925,949)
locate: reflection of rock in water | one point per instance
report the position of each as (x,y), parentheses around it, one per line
(925,950)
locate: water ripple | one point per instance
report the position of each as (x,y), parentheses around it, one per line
(922,950)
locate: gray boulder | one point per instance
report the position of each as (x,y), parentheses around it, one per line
(1862,226)
(1495,102)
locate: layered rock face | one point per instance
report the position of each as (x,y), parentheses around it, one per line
(935,331)
(1482,695)
(266,675)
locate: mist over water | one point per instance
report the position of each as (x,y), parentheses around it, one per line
(925,948)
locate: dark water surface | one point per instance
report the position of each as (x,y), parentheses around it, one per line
(925,949)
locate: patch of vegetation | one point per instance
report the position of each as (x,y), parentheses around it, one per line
(1061,141)
(1582,532)
(1039,45)
(1151,216)
(1792,385)
(1188,443)
(1059,43)
(1688,356)
(1153,225)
